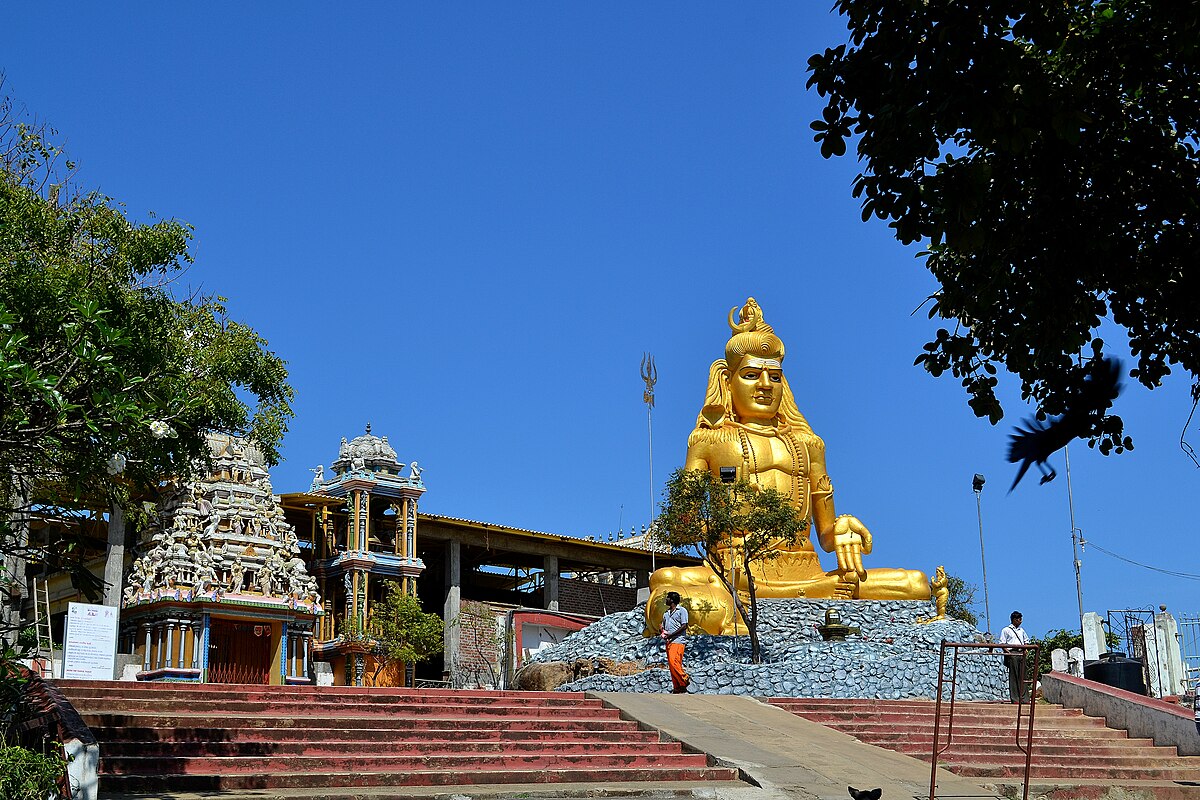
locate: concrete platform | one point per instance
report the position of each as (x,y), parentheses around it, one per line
(786,756)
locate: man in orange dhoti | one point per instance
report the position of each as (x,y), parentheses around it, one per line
(673,632)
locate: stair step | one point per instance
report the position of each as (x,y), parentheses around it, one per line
(1067,771)
(81,688)
(322,723)
(196,738)
(1067,745)
(120,737)
(317,780)
(367,747)
(408,710)
(228,765)
(193,698)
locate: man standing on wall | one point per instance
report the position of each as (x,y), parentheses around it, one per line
(674,633)
(1015,660)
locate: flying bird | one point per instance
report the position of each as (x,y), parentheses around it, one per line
(1038,441)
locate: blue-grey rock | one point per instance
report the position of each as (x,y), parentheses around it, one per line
(893,656)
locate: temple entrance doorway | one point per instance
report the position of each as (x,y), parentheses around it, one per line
(239,652)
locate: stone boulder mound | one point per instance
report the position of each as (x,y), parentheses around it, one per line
(893,656)
(545,676)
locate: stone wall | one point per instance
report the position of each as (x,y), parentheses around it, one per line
(893,656)
(594,599)
(1166,723)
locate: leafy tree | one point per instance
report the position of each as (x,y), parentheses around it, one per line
(1046,155)
(725,524)
(961,602)
(1064,639)
(111,379)
(403,633)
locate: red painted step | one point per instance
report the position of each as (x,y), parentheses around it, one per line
(179,737)
(1067,745)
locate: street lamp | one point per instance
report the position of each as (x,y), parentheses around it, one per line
(977,484)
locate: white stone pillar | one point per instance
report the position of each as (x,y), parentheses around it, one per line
(146,654)
(181,661)
(197,643)
(1175,671)
(1075,661)
(1093,637)
(160,637)
(170,625)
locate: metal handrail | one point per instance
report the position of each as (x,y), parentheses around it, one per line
(1027,678)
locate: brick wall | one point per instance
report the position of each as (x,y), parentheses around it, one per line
(594,599)
(480,658)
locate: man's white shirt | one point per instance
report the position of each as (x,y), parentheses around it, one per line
(1013,635)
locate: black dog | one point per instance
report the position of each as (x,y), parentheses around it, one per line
(865,794)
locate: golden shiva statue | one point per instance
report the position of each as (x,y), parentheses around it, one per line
(750,421)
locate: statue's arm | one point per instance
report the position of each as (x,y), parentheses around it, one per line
(845,535)
(697,458)
(823,514)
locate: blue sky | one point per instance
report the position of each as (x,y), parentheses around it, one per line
(465,223)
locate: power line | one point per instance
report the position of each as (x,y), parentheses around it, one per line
(1187,575)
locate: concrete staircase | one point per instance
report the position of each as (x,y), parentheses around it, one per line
(161,738)
(1068,747)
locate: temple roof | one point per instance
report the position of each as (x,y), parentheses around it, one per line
(368,452)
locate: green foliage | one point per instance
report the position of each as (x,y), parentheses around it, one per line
(111,379)
(402,631)
(1065,639)
(1047,155)
(26,775)
(961,603)
(726,523)
(13,682)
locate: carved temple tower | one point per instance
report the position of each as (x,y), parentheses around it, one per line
(217,590)
(363,523)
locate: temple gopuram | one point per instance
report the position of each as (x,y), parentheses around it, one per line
(362,530)
(217,591)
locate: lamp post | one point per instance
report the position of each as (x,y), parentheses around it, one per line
(977,484)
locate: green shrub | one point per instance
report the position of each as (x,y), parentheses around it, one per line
(26,775)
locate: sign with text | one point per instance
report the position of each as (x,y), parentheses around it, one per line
(90,646)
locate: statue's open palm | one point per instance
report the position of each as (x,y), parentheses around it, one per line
(850,540)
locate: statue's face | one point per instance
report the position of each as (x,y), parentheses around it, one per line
(756,387)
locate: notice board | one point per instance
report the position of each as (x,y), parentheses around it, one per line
(90,643)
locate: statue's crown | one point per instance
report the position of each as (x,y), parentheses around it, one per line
(750,318)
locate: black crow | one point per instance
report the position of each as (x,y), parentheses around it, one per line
(1040,440)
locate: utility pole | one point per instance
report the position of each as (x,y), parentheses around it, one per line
(1077,541)
(977,484)
(650,377)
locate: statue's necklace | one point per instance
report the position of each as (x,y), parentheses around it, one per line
(750,458)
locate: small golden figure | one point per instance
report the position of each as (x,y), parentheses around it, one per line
(941,594)
(750,421)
